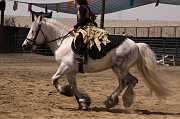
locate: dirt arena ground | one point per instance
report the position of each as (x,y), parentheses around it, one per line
(26,92)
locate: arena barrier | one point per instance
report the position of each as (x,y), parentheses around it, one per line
(162,46)
(6,39)
(154,31)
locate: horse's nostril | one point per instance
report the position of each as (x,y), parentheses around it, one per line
(23,45)
(26,47)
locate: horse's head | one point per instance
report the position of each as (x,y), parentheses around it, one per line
(36,35)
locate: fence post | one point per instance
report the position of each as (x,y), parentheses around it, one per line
(175,29)
(148,31)
(161,30)
(102,13)
(2,8)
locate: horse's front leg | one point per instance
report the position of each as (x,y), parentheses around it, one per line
(66,90)
(83,99)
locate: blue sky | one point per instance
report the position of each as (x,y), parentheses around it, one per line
(147,12)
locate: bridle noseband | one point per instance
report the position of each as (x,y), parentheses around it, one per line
(33,41)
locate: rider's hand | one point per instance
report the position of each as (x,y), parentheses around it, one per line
(71,29)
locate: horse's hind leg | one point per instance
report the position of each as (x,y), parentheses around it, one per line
(129,94)
(120,69)
(125,57)
(113,99)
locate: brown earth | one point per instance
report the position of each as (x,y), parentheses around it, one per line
(26,92)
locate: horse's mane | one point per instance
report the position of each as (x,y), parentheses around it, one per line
(57,24)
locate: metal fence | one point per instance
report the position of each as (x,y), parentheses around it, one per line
(160,44)
(156,31)
(6,37)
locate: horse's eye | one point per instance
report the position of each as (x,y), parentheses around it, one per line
(32,32)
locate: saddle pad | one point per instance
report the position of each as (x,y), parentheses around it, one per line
(116,40)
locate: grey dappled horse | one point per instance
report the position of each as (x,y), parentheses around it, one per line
(120,59)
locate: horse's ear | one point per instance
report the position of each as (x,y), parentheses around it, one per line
(39,19)
(35,17)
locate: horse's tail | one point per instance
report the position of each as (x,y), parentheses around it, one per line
(146,64)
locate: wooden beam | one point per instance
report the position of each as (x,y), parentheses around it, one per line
(102,13)
(46,9)
(2,18)
(3,6)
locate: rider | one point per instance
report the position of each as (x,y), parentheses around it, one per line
(84,14)
(85,17)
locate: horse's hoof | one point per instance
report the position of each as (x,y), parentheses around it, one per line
(67,91)
(87,100)
(128,98)
(84,102)
(110,102)
(84,107)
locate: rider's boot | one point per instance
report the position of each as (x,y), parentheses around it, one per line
(80,60)
(81,51)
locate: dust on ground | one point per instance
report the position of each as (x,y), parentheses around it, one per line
(26,92)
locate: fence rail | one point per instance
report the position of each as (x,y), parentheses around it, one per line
(156,31)
(160,45)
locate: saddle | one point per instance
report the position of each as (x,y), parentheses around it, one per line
(79,47)
(83,50)
(115,41)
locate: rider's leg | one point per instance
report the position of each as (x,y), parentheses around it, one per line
(81,48)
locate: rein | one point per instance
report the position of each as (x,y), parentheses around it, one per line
(59,38)
(33,41)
